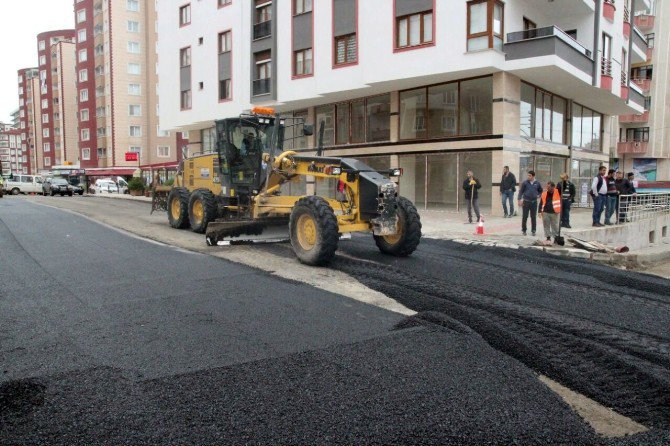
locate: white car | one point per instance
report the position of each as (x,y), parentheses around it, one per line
(105,186)
(23,184)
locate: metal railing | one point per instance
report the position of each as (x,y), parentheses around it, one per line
(641,206)
(549,31)
(626,14)
(624,78)
(262,86)
(605,66)
(262,29)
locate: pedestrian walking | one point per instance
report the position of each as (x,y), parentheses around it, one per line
(507,189)
(612,197)
(598,193)
(550,211)
(529,193)
(471,186)
(567,191)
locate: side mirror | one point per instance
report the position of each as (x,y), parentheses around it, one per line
(307,130)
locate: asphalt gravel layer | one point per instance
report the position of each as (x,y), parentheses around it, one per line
(107,339)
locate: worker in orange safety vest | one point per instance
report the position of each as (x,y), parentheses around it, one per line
(550,210)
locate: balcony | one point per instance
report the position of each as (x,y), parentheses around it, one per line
(640,47)
(632,147)
(644,22)
(263,30)
(634,119)
(644,84)
(262,86)
(608,10)
(626,21)
(636,98)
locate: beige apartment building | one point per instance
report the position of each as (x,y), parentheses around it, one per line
(117,90)
(643,145)
(30,121)
(64,117)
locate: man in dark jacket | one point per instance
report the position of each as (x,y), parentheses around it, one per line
(567,191)
(507,189)
(471,186)
(626,189)
(529,193)
(612,197)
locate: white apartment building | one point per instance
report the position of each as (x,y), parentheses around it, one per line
(10,151)
(436,87)
(643,145)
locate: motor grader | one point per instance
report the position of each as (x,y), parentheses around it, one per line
(239,191)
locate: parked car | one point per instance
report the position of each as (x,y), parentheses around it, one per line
(23,184)
(76,186)
(53,186)
(106,185)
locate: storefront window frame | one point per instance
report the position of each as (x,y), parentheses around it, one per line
(536,117)
(600,132)
(350,114)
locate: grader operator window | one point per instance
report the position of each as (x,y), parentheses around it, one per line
(248,142)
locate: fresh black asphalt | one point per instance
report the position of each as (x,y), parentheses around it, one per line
(108,339)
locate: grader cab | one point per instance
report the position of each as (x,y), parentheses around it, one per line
(239,191)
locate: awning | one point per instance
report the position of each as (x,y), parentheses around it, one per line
(109,172)
(158,166)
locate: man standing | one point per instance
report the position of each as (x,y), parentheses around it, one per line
(598,194)
(612,197)
(626,189)
(528,195)
(567,191)
(471,185)
(550,209)
(507,189)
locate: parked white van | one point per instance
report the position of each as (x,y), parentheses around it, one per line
(23,184)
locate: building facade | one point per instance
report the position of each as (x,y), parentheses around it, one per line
(64,92)
(643,145)
(30,122)
(117,89)
(436,87)
(10,151)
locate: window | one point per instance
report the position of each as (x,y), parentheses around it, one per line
(134,68)
(85,135)
(83,95)
(81,35)
(358,121)
(133,26)
(133,5)
(45,103)
(542,114)
(185,15)
(224,2)
(135,131)
(81,16)
(640,134)
(485,24)
(586,126)
(302,6)
(43,60)
(225,42)
(86,154)
(263,11)
(303,62)
(42,46)
(225,90)
(134,110)
(46,147)
(134,47)
(447,110)
(47,161)
(161,133)
(83,75)
(185,57)
(134,89)
(185,99)
(83,55)
(163,151)
(346,49)
(45,118)
(84,115)
(414,30)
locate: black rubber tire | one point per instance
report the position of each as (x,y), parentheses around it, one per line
(52,193)
(62,194)
(181,194)
(411,231)
(209,207)
(81,192)
(327,231)
(16,191)
(69,194)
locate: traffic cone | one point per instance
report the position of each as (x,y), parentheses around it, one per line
(480,226)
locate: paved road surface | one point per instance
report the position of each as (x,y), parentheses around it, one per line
(105,338)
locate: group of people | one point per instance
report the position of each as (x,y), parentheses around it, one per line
(607,193)
(554,201)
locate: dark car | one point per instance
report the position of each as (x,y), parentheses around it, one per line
(76,187)
(53,186)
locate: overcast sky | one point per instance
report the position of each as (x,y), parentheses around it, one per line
(22,21)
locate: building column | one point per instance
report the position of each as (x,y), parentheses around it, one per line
(395,117)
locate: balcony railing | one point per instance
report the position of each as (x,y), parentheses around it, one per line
(624,78)
(549,31)
(632,147)
(644,117)
(262,86)
(626,13)
(605,67)
(643,21)
(644,84)
(263,29)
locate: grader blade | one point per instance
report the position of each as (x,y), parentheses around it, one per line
(227,232)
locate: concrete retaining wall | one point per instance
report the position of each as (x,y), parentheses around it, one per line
(637,235)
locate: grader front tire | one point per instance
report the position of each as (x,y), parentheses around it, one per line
(202,210)
(314,231)
(177,207)
(408,237)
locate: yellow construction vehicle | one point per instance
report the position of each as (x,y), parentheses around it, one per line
(240,190)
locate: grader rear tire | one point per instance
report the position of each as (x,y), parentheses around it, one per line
(202,209)
(177,207)
(314,231)
(408,237)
